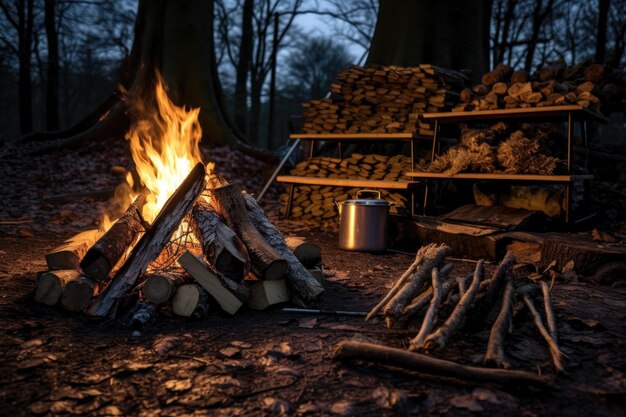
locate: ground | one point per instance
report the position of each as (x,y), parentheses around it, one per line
(260,363)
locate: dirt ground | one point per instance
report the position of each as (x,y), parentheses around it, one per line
(265,363)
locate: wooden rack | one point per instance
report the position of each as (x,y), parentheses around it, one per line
(569,114)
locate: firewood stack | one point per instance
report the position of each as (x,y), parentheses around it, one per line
(429,293)
(318,202)
(210,247)
(383,99)
(587,85)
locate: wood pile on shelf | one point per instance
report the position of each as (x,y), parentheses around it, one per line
(586,85)
(318,201)
(210,248)
(383,99)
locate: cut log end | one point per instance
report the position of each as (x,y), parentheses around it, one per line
(78,294)
(50,286)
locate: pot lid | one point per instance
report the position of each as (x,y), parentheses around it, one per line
(366,202)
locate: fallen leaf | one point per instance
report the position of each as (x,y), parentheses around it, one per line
(313,345)
(39,407)
(25,233)
(277,406)
(308,323)
(165,344)
(241,345)
(467,402)
(110,410)
(344,408)
(309,408)
(178,385)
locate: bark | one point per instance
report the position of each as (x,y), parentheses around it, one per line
(500,328)
(308,253)
(349,351)
(299,279)
(52,82)
(109,249)
(50,286)
(160,288)
(453,34)
(429,319)
(228,202)
(152,242)
(220,244)
(547,305)
(555,352)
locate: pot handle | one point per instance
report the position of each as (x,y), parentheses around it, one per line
(358,192)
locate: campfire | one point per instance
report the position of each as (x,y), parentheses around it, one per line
(187,235)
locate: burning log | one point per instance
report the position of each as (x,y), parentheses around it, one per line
(309,254)
(78,293)
(229,204)
(109,249)
(221,246)
(433,257)
(152,242)
(502,325)
(50,286)
(304,286)
(349,351)
(192,301)
(70,253)
(439,338)
(159,288)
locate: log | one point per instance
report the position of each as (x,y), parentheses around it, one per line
(221,246)
(71,252)
(109,249)
(190,300)
(266,293)
(434,256)
(78,293)
(429,319)
(309,254)
(152,242)
(439,338)
(228,202)
(50,285)
(350,351)
(160,288)
(500,328)
(300,281)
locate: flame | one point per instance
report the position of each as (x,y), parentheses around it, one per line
(164,141)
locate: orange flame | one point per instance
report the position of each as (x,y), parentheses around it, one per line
(164,141)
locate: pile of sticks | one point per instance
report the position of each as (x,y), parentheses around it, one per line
(427,290)
(318,202)
(383,99)
(504,88)
(225,238)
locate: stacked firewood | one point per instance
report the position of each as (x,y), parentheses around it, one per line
(383,99)
(427,290)
(503,88)
(318,202)
(209,246)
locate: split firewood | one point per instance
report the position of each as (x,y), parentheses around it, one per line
(143,314)
(72,251)
(159,288)
(547,304)
(300,281)
(221,246)
(429,319)
(264,294)
(419,258)
(78,293)
(439,337)
(350,351)
(308,253)
(152,242)
(434,256)
(50,285)
(191,300)
(553,346)
(500,328)
(229,204)
(109,249)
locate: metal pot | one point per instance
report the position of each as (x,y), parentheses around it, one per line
(363,223)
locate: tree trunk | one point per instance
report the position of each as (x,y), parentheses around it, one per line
(243,68)
(603,14)
(25,39)
(52,82)
(453,34)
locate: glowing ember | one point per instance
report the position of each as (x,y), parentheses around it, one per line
(164,142)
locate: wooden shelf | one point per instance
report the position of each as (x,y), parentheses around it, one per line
(546,112)
(500,176)
(347,182)
(359,136)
